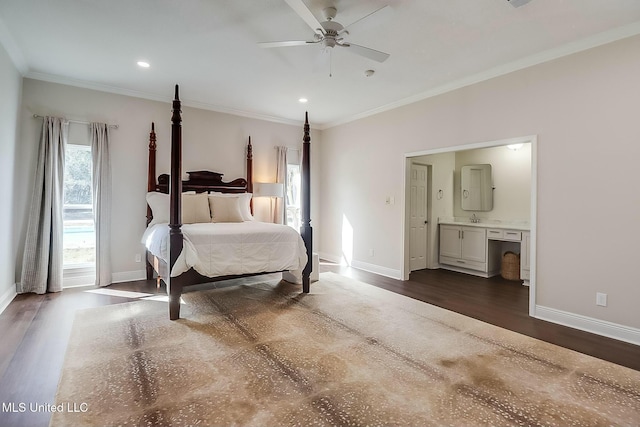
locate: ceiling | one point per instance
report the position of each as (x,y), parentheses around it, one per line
(210,48)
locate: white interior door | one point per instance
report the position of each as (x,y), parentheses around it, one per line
(418,217)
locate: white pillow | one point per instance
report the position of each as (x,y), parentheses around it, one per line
(159,204)
(225,209)
(244,201)
(194,208)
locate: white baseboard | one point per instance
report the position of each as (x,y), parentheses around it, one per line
(128,276)
(7,297)
(373,268)
(589,324)
(72,281)
(330,257)
(360,265)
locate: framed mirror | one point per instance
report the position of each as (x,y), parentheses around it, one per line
(476,188)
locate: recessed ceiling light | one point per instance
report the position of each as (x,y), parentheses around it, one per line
(143,64)
(303,100)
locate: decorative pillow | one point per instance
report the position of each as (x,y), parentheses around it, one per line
(159,204)
(194,208)
(244,203)
(225,209)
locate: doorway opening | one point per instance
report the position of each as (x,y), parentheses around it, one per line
(442,192)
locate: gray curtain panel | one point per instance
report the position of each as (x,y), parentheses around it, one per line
(42,259)
(101,200)
(281,177)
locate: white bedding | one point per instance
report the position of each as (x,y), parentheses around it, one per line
(220,249)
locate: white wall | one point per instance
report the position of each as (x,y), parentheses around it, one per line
(583,108)
(211,141)
(10,88)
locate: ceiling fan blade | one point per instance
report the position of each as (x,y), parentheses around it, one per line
(285,43)
(376,55)
(373,19)
(303,11)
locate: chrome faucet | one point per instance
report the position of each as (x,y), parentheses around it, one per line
(474,219)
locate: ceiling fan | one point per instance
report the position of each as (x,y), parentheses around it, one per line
(328,33)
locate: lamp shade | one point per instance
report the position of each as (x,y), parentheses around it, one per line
(268,189)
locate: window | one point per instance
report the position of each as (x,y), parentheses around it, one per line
(79,239)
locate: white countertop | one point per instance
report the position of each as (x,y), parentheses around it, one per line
(487,223)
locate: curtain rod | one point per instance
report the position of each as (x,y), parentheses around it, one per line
(37,116)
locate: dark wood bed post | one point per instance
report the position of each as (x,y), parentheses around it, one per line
(250,172)
(151,185)
(174,288)
(305,230)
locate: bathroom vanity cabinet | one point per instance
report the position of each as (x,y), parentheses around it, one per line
(477,248)
(463,246)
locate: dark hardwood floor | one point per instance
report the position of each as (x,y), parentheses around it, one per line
(35,328)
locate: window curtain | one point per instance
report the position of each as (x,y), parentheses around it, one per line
(281,177)
(101,200)
(42,258)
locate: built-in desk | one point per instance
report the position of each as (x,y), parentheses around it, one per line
(477,248)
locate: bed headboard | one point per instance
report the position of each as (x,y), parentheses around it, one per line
(199,181)
(204,181)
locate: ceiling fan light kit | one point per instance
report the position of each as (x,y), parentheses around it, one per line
(328,33)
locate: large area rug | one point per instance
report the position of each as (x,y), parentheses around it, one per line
(346,354)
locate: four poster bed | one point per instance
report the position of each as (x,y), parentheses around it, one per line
(219,239)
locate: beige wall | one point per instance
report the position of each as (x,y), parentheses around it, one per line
(511,178)
(211,141)
(582,107)
(10,88)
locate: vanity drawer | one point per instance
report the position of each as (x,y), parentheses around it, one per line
(495,234)
(511,235)
(506,235)
(462,263)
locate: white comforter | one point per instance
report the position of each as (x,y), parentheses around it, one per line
(220,249)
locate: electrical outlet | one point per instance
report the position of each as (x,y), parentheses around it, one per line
(371,252)
(138,258)
(601,299)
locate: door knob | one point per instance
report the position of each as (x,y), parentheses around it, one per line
(426,222)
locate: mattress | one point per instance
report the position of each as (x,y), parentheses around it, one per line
(221,249)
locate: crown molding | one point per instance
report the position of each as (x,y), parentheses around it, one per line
(68,81)
(52,78)
(596,40)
